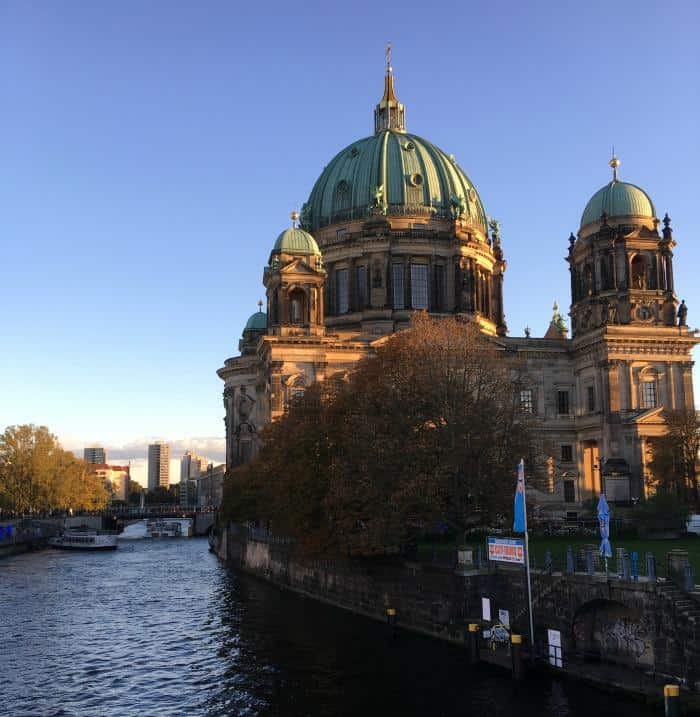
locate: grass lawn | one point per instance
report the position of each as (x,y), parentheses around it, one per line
(558,544)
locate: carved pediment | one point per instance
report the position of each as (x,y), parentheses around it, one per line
(298,266)
(649,416)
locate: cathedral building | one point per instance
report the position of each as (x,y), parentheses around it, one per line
(393,225)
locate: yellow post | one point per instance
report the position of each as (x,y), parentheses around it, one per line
(473,642)
(672,701)
(516,656)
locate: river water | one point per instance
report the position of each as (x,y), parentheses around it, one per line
(163,628)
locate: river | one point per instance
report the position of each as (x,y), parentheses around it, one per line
(164,628)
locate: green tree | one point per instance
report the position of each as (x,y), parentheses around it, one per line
(37,475)
(161,495)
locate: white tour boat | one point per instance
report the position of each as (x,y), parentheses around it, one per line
(84,540)
(169,528)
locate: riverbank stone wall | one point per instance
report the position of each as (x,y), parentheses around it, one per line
(643,626)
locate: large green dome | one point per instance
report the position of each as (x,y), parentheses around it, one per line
(296,241)
(618,199)
(401,173)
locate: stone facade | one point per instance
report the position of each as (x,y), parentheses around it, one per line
(398,227)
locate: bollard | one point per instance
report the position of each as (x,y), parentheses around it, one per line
(548,562)
(569,559)
(651,567)
(473,643)
(626,566)
(589,561)
(516,656)
(688,578)
(672,701)
(635,566)
(391,620)
(620,559)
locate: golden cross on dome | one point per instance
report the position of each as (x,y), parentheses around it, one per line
(388,56)
(294,216)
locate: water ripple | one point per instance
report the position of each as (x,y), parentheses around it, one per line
(162,629)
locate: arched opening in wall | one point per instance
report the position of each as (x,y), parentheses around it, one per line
(588,280)
(297,306)
(275,308)
(608,630)
(607,271)
(342,200)
(638,272)
(591,470)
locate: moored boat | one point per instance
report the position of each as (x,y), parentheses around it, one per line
(84,540)
(169,528)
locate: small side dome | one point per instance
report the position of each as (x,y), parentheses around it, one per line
(296,241)
(618,199)
(256,322)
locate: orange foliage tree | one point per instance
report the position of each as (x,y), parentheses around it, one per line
(427,430)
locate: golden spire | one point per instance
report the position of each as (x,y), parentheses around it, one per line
(294,216)
(389,113)
(614,164)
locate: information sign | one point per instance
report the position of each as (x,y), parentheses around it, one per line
(507,550)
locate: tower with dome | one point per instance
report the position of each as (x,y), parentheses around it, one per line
(394,225)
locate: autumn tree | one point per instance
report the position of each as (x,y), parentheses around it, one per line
(37,475)
(428,429)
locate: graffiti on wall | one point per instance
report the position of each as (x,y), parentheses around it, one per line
(611,630)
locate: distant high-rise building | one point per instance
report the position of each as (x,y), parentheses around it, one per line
(95,454)
(191,467)
(158,465)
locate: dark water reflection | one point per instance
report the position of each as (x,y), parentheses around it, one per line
(162,628)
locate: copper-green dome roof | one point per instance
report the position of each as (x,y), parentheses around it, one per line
(618,199)
(256,322)
(401,173)
(296,241)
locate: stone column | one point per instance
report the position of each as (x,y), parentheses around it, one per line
(612,378)
(353,295)
(276,389)
(687,379)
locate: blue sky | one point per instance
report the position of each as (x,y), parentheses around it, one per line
(151,153)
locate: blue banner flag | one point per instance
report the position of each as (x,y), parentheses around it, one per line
(519,517)
(604,522)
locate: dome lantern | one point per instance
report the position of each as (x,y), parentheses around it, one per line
(389,112)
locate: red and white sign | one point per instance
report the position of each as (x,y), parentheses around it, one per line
(507,550)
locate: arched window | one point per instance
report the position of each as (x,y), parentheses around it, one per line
(342,198)
(638,272)
(297,302)
(275,308)
(588,280)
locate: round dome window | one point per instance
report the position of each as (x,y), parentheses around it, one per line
(409,146)
(416,180)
